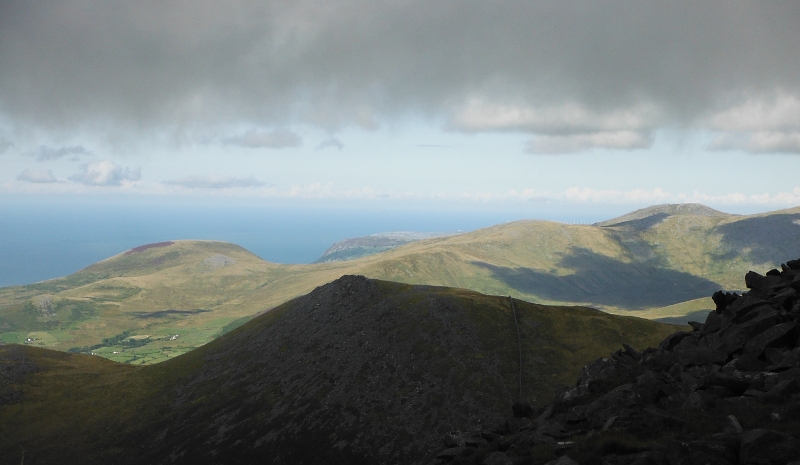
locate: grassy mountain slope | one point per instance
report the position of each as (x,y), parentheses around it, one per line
(132,306)
(350,249)
(358,371)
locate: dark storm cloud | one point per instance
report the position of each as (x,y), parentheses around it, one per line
(576,74)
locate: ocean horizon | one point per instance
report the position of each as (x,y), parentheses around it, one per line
(41,241)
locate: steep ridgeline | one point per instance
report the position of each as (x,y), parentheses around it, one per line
(726,393)
(357,372)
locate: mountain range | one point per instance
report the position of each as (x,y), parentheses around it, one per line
(158,301)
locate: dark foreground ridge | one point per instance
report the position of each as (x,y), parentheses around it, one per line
(359,371)
(726,393)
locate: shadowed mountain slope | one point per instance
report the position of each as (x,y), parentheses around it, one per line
(358,371)
(725,393)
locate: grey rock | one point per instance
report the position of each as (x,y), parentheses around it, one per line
(695,356)
(777,334)
(699,400)
(762,446)
(783,389)
(451,453)
(735,384)
(673,340)
(522,409)
(733,425)
(748,362)
(563,460)
(497,458)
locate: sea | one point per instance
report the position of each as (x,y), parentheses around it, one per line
(45,240)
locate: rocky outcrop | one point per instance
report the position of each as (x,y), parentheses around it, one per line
(725,393)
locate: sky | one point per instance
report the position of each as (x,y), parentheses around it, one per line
(523,106)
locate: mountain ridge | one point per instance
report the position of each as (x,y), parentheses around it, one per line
(350,249)
(695,209)
(357,371)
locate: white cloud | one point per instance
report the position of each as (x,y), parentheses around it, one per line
(658,195)
(772,111)
(44,153)
(333,142)
(277,139)
(587,195)
(37,176)
(215,182)
(758,141)
(619,140)
(563,128)
(737,198)
(105,173)
(480,114)
(764,123)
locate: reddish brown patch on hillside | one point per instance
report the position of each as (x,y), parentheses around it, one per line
(142,248)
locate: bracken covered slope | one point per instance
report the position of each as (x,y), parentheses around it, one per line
(358,371)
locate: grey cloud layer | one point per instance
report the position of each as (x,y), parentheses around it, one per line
(37,176)
(277,139)
(45,153)
(5,145)
(576,74)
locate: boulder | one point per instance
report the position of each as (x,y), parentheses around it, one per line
(735,384)
(763,446)
(451,453)
(780,334)
(673,339)
(522,409)
(563,460)
(723,299)
(735,337)
(783,390)
(748,362)
(595,372)
(699,356)
(733,425)
(497,458)
(620,398)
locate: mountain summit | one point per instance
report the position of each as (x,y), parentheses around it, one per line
(663,211)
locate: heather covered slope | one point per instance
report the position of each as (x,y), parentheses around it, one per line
(358,371)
